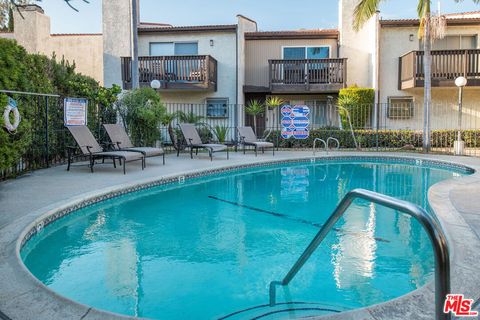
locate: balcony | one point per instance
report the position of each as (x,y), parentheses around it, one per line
(307,76)
(447,65)
(175,73)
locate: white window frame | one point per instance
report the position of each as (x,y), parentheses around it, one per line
(217,99)
(173,43)
(412,108)
(310,46)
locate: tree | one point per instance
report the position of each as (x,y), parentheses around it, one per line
(8,6)
(365,9)
(255,108)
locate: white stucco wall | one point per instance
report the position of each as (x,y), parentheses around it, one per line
(395,42)
(223,50)
(116,38)
(357,46)
(32,31)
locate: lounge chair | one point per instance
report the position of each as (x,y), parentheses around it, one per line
(194,141)
(248,138)
(90,147)
(122,142)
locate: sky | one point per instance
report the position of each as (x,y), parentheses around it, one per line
(269,14)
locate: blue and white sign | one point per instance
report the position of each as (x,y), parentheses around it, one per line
(295,122)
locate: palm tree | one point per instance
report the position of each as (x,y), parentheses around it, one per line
(365,9)
(255,108)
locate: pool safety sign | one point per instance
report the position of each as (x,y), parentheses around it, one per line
(75,111)
(295,122)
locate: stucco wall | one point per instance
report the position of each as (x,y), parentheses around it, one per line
(223,50)
(358,47)
(395,42)
(258,52)
(32,31)
(116,38)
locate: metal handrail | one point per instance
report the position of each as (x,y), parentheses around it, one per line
(429,223)
(333,139)
(315,143)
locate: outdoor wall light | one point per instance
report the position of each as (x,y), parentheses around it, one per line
(459,145)
(211,43)
(411,37)
(155,84)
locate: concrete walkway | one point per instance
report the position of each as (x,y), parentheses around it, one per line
(24,200)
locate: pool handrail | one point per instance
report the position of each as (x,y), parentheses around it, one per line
(429,223)
(315,145)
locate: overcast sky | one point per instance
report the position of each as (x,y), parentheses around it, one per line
(270,14)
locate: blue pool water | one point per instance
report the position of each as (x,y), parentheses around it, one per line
(211,246)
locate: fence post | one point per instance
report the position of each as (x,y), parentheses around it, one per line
(46,134)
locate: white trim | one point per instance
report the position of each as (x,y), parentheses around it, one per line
(310,46)
(172,42)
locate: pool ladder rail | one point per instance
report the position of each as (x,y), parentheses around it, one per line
(325,143)
(429,223)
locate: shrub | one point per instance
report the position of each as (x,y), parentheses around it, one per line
(358,103)
(142,113)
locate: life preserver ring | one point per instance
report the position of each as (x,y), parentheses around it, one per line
(6,118)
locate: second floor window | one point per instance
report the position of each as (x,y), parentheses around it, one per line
(300,53)
(454,43)
(173,48)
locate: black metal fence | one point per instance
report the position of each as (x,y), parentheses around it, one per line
(381,127)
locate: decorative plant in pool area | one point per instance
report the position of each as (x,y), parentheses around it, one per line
(142,113)
(255,108)
(355,107)
(221,133)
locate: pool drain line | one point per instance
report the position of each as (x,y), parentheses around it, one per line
(287,217)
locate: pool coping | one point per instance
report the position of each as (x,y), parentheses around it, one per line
(412,304)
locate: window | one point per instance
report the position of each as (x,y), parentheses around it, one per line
(400,108)
(217,108)
(300,53)
(173,48)
(454,43)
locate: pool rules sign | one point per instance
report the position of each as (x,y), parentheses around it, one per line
(75,111)
(295,122)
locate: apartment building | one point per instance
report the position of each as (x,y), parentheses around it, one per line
(32,31)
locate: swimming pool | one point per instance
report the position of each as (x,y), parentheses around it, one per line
(210,247)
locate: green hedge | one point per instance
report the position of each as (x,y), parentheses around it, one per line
(391,139)
(21,71)
(359,104)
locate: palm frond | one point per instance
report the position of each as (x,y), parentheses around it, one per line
(364,10)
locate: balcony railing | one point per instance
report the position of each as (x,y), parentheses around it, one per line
(194,73)
(447,65)
(310,75)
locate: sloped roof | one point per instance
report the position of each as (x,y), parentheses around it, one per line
(171,29)
(293,34)
(460,18)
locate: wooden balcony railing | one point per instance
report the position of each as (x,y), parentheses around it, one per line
(196,73)
(447,65)
(310,75)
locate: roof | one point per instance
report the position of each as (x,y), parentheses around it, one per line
(154,24)
(75,34)
(174,29)
(295,34)
(461,18)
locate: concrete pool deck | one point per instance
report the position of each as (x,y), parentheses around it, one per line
(24,200)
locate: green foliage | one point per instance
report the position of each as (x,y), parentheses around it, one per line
(254,108)
(21,71)
(221,133)
(142,112)
(189,117)
(274,102)
(355,106)
(384,139)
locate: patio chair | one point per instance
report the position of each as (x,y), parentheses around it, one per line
(122,142)
(194,141)
(90,147)
(248,138)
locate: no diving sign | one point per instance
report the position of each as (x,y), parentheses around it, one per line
(295,122)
